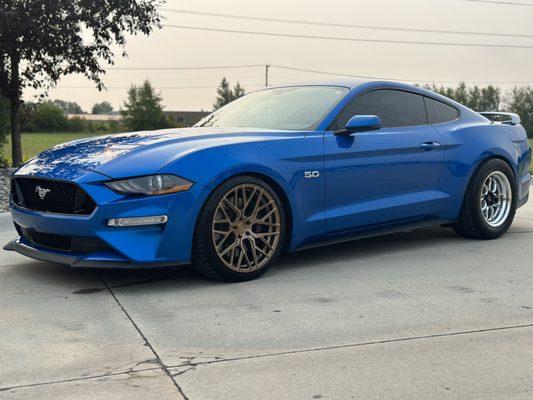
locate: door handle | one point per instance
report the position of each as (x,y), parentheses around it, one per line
(427,146)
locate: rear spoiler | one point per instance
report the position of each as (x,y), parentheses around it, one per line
(502,117)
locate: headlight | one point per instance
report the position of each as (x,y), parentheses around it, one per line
(150,185)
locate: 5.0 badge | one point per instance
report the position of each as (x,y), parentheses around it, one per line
(311,174)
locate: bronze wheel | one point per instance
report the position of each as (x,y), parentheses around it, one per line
(246,228)
(240,230)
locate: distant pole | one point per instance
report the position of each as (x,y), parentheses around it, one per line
(266,74)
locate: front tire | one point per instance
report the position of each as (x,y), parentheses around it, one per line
(489,205)
(240,230)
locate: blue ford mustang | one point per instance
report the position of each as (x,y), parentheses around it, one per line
(279,169)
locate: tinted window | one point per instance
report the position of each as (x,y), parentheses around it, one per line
(394,107)
(440,112)
(295,108)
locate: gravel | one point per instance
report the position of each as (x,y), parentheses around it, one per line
(4,189)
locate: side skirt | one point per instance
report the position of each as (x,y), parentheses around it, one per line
(369,233)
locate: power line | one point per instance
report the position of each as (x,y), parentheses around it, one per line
(127,87)
(340,25)
(156,87)
(340,74)
(184,68)
(157,80)
(297,69)
(349,39)
(389,79)
(505,3)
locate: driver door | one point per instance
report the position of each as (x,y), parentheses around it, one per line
(385,176)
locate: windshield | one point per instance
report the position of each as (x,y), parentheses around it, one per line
(291,108)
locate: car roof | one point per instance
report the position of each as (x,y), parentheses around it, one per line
(364,84)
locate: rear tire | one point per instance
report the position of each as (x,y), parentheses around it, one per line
(489,204)
(240,230)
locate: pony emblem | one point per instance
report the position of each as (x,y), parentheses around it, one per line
(42,192)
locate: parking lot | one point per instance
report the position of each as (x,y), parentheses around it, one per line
(418,315)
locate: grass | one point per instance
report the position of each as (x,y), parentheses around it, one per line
(34,143)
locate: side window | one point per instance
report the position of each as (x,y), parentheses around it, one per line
(440,112)
(395,108)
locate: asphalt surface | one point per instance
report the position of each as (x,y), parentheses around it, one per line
(418,315)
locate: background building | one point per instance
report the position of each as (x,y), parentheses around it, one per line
(180,118)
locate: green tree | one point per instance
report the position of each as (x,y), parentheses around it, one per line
(143,110)
(49,118)
(226,95)
(69,107)
(4,127)
(445,91)
(483,99)
(42,40)
(28,112)
(103,108)
(238,91)
(520,101)
(490,99)
(473,95)
(77,124)
(460,94)
(478,99)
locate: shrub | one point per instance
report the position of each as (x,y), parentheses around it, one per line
(102,108)
(50,118)
(520,101)
(77,124)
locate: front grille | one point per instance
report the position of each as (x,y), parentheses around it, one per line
(51,196)
(74,244)
(59,242)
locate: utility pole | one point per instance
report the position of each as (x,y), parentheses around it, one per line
(266,74)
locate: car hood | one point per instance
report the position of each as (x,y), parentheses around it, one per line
(137,153)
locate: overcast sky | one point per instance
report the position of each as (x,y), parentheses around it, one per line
(171,47)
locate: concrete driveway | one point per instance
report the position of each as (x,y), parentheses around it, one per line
(419,315)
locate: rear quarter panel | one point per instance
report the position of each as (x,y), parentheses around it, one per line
(468,144)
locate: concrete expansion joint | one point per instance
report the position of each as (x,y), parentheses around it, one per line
(147,343)
(84,378)
(190,365)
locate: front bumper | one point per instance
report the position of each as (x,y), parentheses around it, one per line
(151,245)
(97,260)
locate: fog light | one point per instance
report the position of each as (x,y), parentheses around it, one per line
(138,221)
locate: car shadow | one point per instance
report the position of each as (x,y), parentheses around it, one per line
(159,280)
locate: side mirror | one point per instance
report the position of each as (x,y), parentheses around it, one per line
(361,123)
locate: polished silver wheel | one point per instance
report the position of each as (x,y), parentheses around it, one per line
(496,199)
(246,228)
